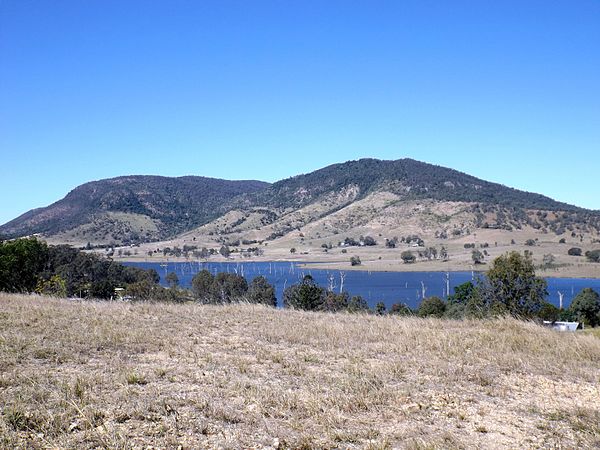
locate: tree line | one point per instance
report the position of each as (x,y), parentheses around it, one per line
(30,265)
(510,287)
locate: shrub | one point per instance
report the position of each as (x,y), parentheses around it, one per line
(432,306)
(357,304)
(408,257)
(335,302)
(477,257)
(593,255)
(368,240)
(355,261)
(548,312)
(574,251)
(400,309)
(380,308)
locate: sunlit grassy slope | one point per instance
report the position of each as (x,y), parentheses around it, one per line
(94,375)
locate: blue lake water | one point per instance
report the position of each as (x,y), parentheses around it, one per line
(389,287)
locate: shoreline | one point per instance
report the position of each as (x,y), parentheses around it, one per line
(378,266)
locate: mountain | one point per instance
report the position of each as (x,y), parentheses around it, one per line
(406,177)
(358,196)
(130,209)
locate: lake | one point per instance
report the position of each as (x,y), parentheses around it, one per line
(388,287)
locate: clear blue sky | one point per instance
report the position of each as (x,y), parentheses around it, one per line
(508,91)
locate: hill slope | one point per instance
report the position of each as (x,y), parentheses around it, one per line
(406,177)
(390,197)
(242,376)
(145,209)
(133,208)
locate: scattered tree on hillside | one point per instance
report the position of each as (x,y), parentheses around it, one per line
(355,261)
(368,241)
(477,257)
(593,255)
(408,257)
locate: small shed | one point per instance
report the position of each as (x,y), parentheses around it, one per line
(563,326)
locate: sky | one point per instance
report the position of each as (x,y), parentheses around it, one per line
(506,91)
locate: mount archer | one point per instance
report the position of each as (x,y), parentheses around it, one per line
(364,197)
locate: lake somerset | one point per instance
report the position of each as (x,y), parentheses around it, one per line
(388,287)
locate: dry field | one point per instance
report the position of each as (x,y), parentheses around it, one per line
(102,375)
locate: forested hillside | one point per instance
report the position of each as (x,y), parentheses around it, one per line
(134,209)
(146,207)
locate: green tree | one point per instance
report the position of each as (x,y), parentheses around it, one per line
(355,261)
(593,255)
(462,293)
(408,257)
(548,312)
(229,287)
(261,291)
(172,279)
(380,308)
(55,287)
(305,295)
(400,309)
(333,302)
(21,263)
(202,285)
(456,307)
(431,306)
(357,304)
(512,287)
(585,307)
(477,257)
(225,251)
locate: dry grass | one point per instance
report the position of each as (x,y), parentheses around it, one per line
(102,375)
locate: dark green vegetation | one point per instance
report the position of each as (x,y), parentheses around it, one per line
(585,307)
(230,288)
(170,205)
(136,209)
(29,265)
(593,255)
(510,287)
(309,296)
(407,177)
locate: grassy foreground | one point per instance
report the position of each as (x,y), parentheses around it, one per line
(89,375)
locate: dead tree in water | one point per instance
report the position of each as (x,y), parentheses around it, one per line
(560,300)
